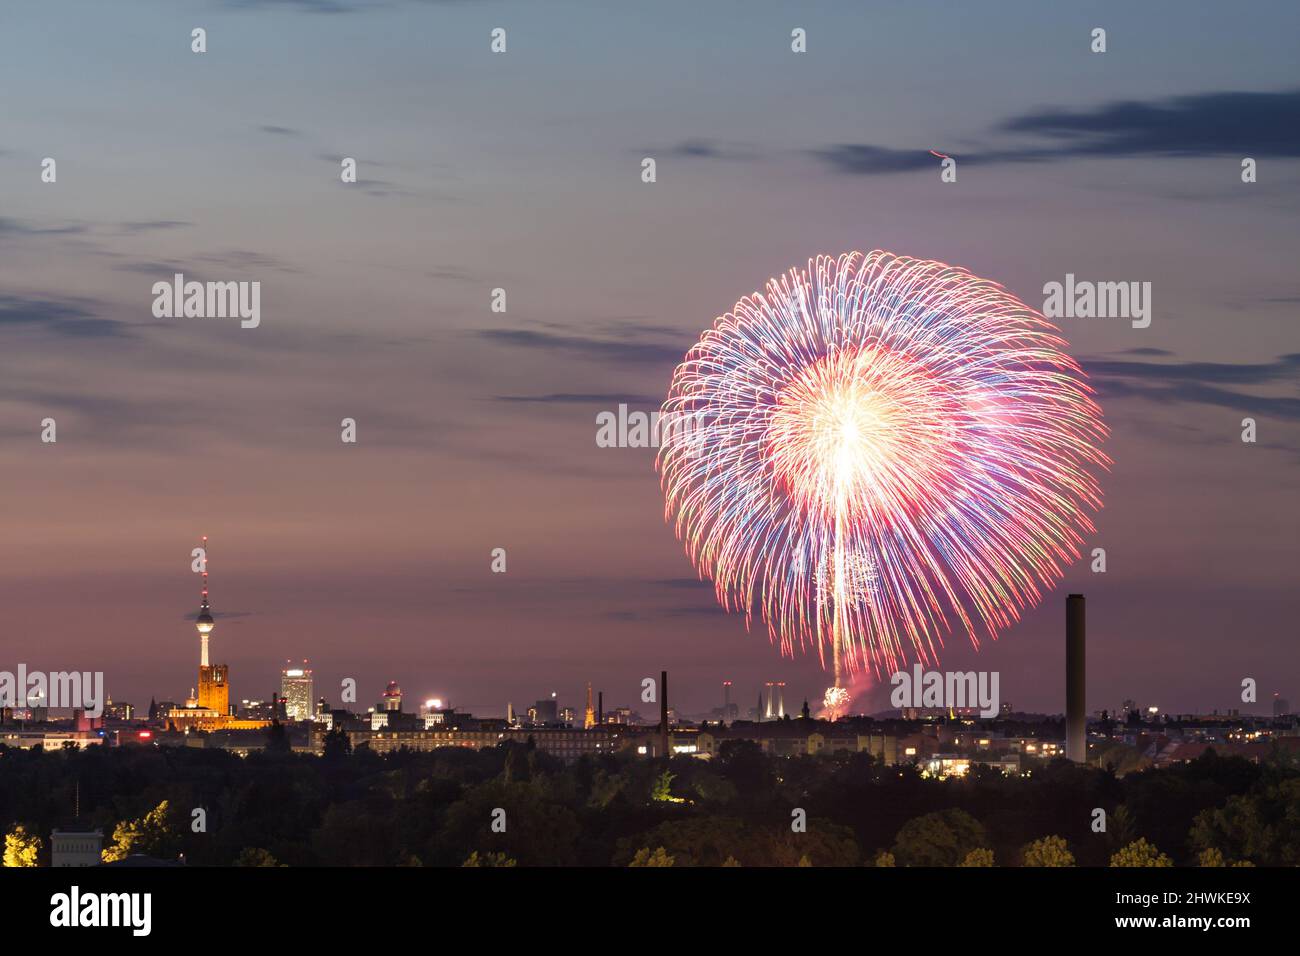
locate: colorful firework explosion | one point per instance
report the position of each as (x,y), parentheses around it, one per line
(912,431)
(836,701)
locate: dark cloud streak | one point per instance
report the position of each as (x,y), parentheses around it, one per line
(1201,125)
(63,318)
(585,346)
(1198,382)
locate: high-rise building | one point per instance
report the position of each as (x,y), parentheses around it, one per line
(298,692)
(545,711)
(118,710)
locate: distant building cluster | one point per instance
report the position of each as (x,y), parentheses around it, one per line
(941,742)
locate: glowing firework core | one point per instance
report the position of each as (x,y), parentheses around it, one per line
(842,426)
(889,446)
(836,701)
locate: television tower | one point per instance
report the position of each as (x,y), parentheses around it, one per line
(204,622)
(589,720)
(214,679)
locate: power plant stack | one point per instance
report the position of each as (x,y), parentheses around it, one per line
(663,712)
(1076,725)
(774,708)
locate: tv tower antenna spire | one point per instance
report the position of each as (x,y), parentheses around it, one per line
(204,622)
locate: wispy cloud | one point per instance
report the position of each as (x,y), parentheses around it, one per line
(1205,124)
(219,615)
(152,225)
(61,317)
(582,346)
(280,130)
(318,6)
(703,148)
(864,159)
(20,228)
(1198,382)
(1215,373)
(608,399)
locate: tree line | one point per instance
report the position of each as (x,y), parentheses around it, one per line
(516,806)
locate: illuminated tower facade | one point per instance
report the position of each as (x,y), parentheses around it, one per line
(392,697)
(214,685)
(298,693)
(589,720)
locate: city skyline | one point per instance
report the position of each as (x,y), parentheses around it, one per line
(768,705)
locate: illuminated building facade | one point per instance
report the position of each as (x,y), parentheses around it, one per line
(392,697)
(298,692)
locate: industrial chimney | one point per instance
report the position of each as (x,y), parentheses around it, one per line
(663,711)
(1076,727)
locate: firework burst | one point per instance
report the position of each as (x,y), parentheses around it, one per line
(836,701)
(884,449)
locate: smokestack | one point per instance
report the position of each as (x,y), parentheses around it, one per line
(663,710)
(600,708)
(1076,727)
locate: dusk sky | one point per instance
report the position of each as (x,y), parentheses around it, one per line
(476,430)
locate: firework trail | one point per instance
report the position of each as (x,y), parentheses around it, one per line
(882,448)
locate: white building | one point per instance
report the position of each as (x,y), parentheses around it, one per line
(76,847)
